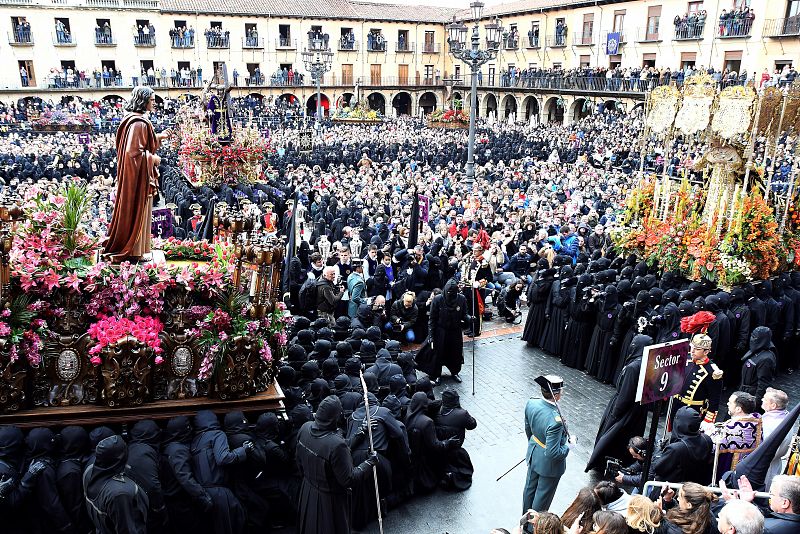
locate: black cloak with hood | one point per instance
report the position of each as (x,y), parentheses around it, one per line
(624,418)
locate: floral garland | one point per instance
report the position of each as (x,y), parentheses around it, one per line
(110,330)
(63,118)
(22,330)
(450,116)
(743,249)
(188,249)
(236,163)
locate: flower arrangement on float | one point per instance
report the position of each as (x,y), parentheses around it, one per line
(22,330)
(448,118)
(731,248)
(110,330)
(60,120)
(207,162)
(361,112)
(188,249)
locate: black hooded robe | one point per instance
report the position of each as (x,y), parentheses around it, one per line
(46,512)
(599,359)
(538,294)
(11,507)
(452,422)
(243,476)
(552,338)
(324,461)
(183,495)
(427,468)
(448,310)
(624,418)
(69,475)
(579,327)
(143,463)
(210,457)
(115,502)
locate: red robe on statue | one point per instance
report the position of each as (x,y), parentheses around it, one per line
(137,180)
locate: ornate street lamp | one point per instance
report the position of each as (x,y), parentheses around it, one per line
(474,58)
(317,59)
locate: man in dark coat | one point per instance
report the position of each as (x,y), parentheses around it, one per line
(115,502)
(624,417)
(446,347)
(143,467)
(759,363)
(185,498)
(14,491)
(328,473)
(46,510)
(211,455)
(69,475)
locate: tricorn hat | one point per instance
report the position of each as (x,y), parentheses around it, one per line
(550,382)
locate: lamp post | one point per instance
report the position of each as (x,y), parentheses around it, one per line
(474,58)
(317,59)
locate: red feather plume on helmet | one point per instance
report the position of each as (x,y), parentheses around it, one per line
(697,323)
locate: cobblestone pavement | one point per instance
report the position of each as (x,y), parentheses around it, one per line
(504,373)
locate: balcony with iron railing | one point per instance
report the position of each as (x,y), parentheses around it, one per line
(575,84)
(511,43)
(20,37)
(346,45)
(185,41)
(583,38)
(252,43)
(645,35)
(144,40)
(689,31)
(533,41)
(740,28)
(785,27)
(104,39)
(376,46)
(285,43)
(558,40)
(403,47)
(63,39)
(623,38)
(218,40)
(431,48)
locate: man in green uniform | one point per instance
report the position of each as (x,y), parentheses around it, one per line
(548,445)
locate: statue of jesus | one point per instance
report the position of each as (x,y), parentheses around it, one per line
(129,235)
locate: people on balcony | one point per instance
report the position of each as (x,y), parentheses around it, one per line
(737,22)
(182,37)
(144,34)
(102,34)
(511,39)
(347,41)
(62,33)
(691,25)
(22,32)
(533,37)
(561,33)
(217,38)
(376,42)
(251,39)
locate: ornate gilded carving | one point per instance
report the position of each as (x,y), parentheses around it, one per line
(236,372)
(66,377)
(176,378)
(770,113)
(12,386)
(698,98)
(126,372)
(663,106)
(732,118)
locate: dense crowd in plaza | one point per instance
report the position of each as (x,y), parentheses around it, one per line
(372,293)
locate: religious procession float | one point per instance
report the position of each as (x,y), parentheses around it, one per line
(449,119)
(724,217)
(84,340)
(58,120)
(357,114)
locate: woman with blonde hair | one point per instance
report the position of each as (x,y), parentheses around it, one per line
(645,517)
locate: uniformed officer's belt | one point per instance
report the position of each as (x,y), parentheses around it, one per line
(691,402)
(539,443)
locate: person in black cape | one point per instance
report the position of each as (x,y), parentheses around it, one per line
(184,497)
(46,512)
(143,467)
(69,475)
(556,312)
(445,346)
(426,449)
(538,293)
(599,360)
(579,327)
(211,456)
(328,473)
(454,421)
(276,483)
(624,417)
(243,476)
(15,490)
(115,502)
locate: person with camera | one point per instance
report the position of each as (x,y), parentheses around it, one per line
(403,316)
(519,264)
(329,294)
(475,273)
(631,475)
